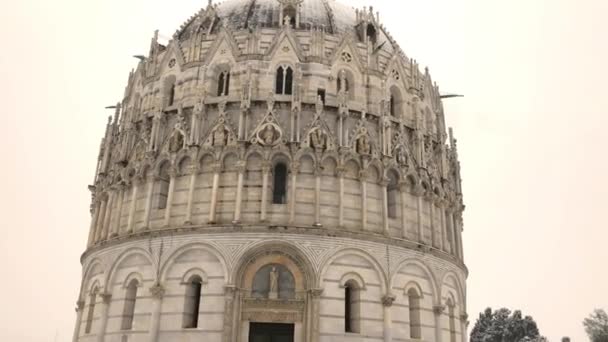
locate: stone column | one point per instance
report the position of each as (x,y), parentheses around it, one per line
(148,211)
(403,187)
(133,205)
(295,168)
(429,198)
(157,291)
(315,295)
(106,298)
(108,218)
(79,311)
(340,171)
(438,311)
(94,219)
(99,222)
(464,322)
(385,222)
(217,168)
(173,177)
(230,294)
(318,174)
(121,200)
(387,303)
(442,234)
(419,204)
(240,167)
(193,175)
(363,180)
(265,172)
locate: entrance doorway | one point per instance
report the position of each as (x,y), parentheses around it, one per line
(270,332)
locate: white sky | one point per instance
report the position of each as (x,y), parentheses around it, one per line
(530,129)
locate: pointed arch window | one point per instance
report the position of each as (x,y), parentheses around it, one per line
(414,308)
(171,99)
(91,313)
(392,196)
(279,189)
(284,80)
(223,84)
(351,307)
(192,302)
(163,187)
(129,308)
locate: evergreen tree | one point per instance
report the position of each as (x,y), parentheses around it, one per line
(504,326)
(596,326)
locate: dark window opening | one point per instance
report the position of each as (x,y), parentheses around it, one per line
(129,308)
(344,86)
(288,81)
(371,33)
(192,303)
(279,190)
(280,79)
(284,81)
(348,309)
(414,308)
(223,84)
(392,104)
(321,92)
(89,323)
(291,12)
(171,95)
(163,193)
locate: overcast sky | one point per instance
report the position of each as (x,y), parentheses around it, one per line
(530,130)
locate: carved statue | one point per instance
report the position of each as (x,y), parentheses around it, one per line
(287,20)
(177,142)
(155,134)
(363,146)
(402,156)
(273,292)
(268,135)
(318,139)
(220,137)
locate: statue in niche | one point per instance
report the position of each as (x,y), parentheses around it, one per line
(318,139)
(273,292)
(155,134)
(220,136)
(269,135)
(402,156)
(363,146)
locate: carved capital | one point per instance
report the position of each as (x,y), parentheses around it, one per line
(173,172)
(384,182)
(79,305)
(106,297)
(363,174)
(217,168)
(295,167)
(438,309)
(340,171)
(464,316)
(241,167)
(388,300)
(316,293)
(194,168)
(157,291)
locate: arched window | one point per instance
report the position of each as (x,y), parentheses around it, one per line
(393,112)
(163,187)
(344,86)
(171,95)
(414,306)
(392,195)
(223,84)
(168,91)
(371,34)
(192,302)
(291,12)
(452,320)
(279,184)
(129,308)
(284,81)
(91,313)
(351,307)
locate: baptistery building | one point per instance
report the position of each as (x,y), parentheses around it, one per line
(278,171)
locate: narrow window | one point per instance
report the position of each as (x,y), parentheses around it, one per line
(393,105)
(288,81)
(414,306)
(279,190)
(129,308)
(371,34)
(163,193)
(227,88)
(321,92)
(279,81)
(171,95)
(192,303)
(220,85)
(392,195)
(351,308)
(342,86)
(91,313)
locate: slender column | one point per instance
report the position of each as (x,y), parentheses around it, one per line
(403,187)
(239,192)
(458,225)
(464,322)
(385,225)
(158,291)
(106,298)
(318,199)
(230,292)
(148,211)
(121,199)
(438,311)
(108,219)
(442,234)
(265,173)
(387,303)
(419,214)
(217,168)
(133,206)
(316,300)
(173,177)
(450,229)
(79,311)
(431,216)
(99,223)
(295,168)
(340,173)
(363,180)
(193,175)
(94,219)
